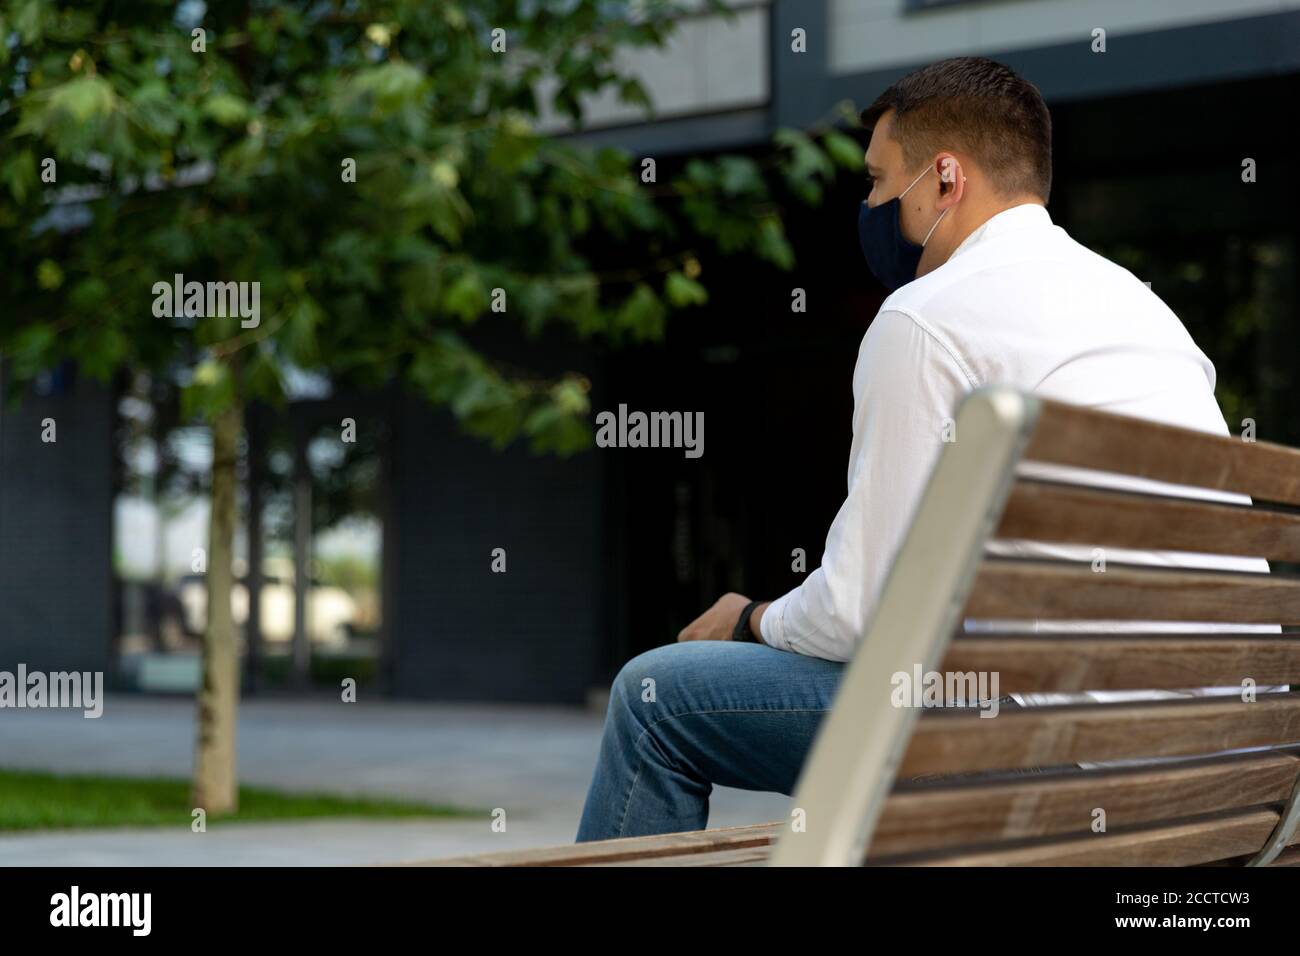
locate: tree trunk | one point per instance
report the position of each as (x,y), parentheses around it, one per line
(216,788)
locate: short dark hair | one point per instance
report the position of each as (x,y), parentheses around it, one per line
(980,107)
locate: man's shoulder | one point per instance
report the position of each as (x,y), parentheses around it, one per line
(1022,255)
(1019,270)
(1020,310)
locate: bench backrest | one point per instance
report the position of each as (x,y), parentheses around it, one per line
(879,785)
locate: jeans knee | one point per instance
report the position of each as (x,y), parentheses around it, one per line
(643,678)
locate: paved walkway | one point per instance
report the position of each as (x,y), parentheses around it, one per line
(535,762)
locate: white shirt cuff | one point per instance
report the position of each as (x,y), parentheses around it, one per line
(772,625)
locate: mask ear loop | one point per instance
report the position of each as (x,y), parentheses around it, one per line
(941,215)
(915,181)
(933,228)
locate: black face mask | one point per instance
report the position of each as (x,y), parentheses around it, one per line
(892,258)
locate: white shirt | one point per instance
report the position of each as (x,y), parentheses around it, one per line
(1018,303)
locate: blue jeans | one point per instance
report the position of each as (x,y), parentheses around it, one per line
(685,717)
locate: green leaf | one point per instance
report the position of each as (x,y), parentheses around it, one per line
(155,109)
(844,150)
(226,109)
(77,116)
(385,89)
(773,245)
(466,297)
(49,275)
(104,350)
(642,314)
(739,175)
(633,92)
(299,334)
(682,291)
(34,341)
(804,166)
(83,99)
(88,295)
(210,391)
(20,174)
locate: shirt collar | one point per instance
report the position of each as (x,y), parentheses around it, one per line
(1025,216)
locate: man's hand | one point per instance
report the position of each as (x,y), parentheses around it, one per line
(717,623)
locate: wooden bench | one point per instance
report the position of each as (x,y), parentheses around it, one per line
(906,785)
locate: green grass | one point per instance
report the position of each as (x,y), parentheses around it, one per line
(42,801)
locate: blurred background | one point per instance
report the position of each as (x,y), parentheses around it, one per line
(610,552)
(372,558)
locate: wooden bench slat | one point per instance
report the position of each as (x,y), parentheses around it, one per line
(951,741)
(1084,438)
(641,849)
(1183,844)
(1066,662)
(1069,514)
(1047,590)
(752,856)
(1031,806)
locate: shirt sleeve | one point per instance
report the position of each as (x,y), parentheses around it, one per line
(906,385)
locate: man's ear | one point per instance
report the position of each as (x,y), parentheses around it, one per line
(952,180)
(948,167)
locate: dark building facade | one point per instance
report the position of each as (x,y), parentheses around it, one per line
(56,529)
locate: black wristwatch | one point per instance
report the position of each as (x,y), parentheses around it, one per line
(741,631)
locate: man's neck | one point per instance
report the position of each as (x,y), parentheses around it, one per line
(958,226)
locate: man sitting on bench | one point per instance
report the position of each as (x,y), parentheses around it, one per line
(987,290)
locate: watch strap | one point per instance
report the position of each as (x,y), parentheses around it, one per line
(741,631)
